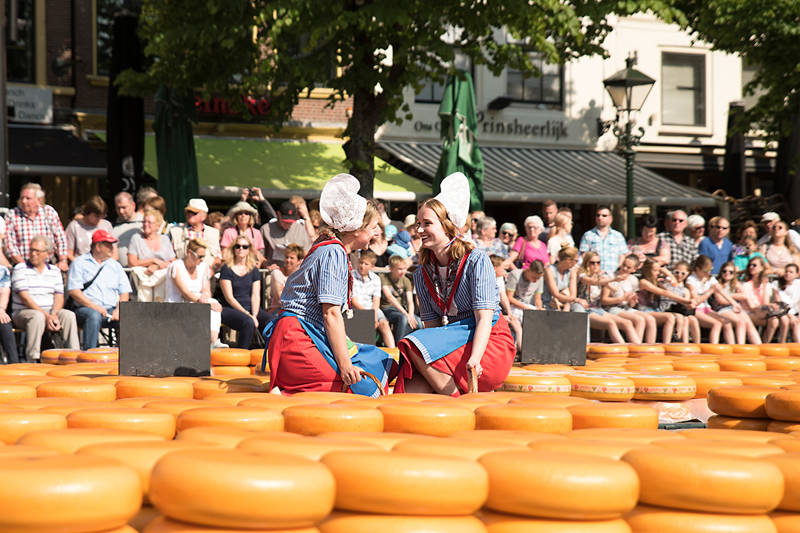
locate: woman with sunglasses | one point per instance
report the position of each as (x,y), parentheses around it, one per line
(245,220)
(240,283)
(732,289)
(508,234)
(676,287)
(650,294)
(761,300)
(648,245)
(591,281)
(779,250)
(188,281)
(620,296)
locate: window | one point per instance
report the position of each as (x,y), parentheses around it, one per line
(545,88)
(433,90)
(106,10)
(683,89)
(21,51)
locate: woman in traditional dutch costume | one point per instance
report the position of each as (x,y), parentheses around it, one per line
(307,347)
(459,305)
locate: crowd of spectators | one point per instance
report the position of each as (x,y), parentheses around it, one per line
(682,283)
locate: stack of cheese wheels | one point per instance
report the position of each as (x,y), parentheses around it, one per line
(78,493)
(699,482)
(783,405)
(663,388)
(419,485)
(601,351)
(507,523)
(230,362)
(50,357)
(313,419)
(237,490)
(646,518)
(103,355)
(524,417)
(600,386)
(539,382)
(427,419)
(167,388)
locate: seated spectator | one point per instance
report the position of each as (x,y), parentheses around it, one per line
(716,246)
(524,288)
(702,287)
(559,236)
(681,247)
(591,281)
(142,196)
(788,288)
(760,301)
(195,228)
(768,220)
(605,240)
(648,245)
(288,228)
(128,223)
(560,289)
(380,244)
(745,251)
(508,234)
(293,257)
(472,222)
(218,221)
(243,216)
(188,281)
(731,288)
(38,305)
(97,283)
(240,283)
(30,218)
(401,245)
(529,248)
(650,294)
(505,305)
(620,296)
(79,232)
(486,240)
(696,228)
(397,298)
(367,294)
(678,291)
(149,254)
(410,223)
(779,250)
(6,327)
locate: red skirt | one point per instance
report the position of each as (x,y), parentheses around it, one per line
(295,363)
(496,361)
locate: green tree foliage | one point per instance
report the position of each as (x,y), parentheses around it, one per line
(766,33)
(371,50)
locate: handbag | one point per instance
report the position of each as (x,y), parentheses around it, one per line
(70,304)
(521,258)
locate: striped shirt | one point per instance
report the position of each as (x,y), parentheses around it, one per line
(320,279)
(477,290)
(41,286)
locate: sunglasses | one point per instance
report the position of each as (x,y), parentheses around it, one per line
(727,272)
(681,273)
(508,233)
(242,246)
(594,262)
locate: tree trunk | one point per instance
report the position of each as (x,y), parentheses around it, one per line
(361,128)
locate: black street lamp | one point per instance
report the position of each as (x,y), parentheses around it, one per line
(628,89)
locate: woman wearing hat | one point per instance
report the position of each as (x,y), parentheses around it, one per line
(244,216)
(459,304)
(307,347)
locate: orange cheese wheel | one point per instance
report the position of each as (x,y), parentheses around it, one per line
(547,400)
(741,365)
(559,485)
(68,493)
(524,417)
(647,519)
(70,407)
(384,440)
(17,423)
(726,434)
(789,465)
(134,387)
(272,401)
(426,419)
(234,398)
(729,422)
(716,349)
(365,523)
(230,371)
(648,367)
(681,348)
(454,447)
(779,426)
(39,403)
(749,349)
(663,388)
(230,357)
(526,381)
(256,357)
(522,438)
(705,381)
(135,401)
(472,403)
(229,437)
(207,387)
(741,448)
(10,392)
(68,356)
(774,350)
(418,485)
(783,405)
(610,449)
(50,357)
(558,368)
(612,415)
(21,451)
(141,456)
(784,522)
(7,371)
(782,363)
(506,523)
(313,419)
(176,406)
(98,357)
(329,397)
(144,420)
(644,436)
(82,390)
(236,417)
(695,366)
(603,387)
(162,524)
(712,483)
(740,402)
(234,489)
(637,349)
(70,440)
(609,349)
(761,381)
(499,396)
(307,447)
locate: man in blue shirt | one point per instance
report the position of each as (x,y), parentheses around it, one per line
(716,245)
(97,283)
(609,244)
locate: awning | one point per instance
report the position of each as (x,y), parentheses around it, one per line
(704,162)
(282,168)
(538,174)
(48,150)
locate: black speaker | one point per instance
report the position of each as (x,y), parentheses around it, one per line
(554,337)
(361,328)
(164,339)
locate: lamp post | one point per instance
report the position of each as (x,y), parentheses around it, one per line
(628,89)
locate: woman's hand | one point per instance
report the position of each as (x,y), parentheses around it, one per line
(215,306)
(350,374)
(475,362)
(255,320)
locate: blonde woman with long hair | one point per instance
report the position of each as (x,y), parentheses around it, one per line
(591,281)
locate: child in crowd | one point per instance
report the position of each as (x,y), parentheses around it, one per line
(505,306)
(650,294)
(591,281)
(620,296)
(677,289)
(730,287)
(367,294)
(524,288)
(397,298)
(747,251)
(702,286)
(788,288)
(760,300)
(294,255)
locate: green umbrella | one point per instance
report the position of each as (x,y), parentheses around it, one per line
(177,163)
(460,150)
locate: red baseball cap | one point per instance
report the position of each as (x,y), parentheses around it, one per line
(102,235)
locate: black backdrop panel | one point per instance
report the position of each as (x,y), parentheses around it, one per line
(361,328)
(554,337)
